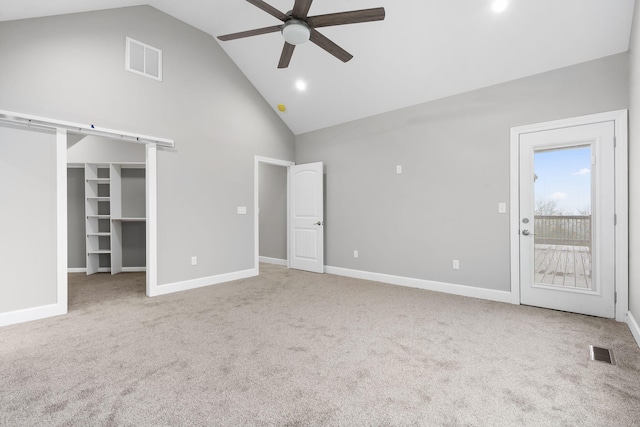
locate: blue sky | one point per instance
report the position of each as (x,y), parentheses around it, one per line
(564,176)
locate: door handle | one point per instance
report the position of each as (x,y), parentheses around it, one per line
(527,233)
(319,223)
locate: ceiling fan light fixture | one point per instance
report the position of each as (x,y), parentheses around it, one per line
(296,31)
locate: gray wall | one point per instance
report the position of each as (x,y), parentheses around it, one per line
(27,219)
(134,246)
(96,149)
(273,211)
(634,167)
(455,158)
(133,193)
(71,67)
(134,206)
(76,224)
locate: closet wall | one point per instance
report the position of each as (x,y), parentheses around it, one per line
(27,218)
(92,149)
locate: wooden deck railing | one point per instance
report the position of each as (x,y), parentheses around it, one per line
(563,230)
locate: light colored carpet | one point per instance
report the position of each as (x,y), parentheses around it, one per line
(291,348)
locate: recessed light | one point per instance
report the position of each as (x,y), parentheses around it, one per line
(301,85)
(500,5)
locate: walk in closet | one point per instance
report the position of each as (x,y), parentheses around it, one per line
(106,207)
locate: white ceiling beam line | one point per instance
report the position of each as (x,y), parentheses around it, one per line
(41,122)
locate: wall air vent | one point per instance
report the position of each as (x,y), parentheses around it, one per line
(143,59)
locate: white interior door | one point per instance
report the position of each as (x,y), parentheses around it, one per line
(306,233)
(567,219)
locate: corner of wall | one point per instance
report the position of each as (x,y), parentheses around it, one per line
(186,285)
(634,173)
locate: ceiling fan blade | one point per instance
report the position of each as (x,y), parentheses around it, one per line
(287,53)
(270,10)
(330,46)
(341,18)
(250,33)
(301,8)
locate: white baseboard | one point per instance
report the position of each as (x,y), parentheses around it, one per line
(108,270)
(633,325)
(276,261)
(29,314)
(134,269)
(449,288)
(170,288)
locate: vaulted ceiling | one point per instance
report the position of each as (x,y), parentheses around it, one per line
(423,50)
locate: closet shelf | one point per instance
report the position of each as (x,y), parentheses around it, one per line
(104,200)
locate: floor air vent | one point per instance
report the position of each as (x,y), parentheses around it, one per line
(600,354)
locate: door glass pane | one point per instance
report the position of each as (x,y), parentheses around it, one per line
(563,206)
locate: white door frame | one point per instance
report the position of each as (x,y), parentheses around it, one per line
(619,118)
(256,204)
(151,190)
(61,224)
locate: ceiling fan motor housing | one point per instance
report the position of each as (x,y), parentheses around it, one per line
(296,31)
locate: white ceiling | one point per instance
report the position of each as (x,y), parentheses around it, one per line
(423,50)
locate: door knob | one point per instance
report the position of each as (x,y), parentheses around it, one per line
(527,233)
(318,223)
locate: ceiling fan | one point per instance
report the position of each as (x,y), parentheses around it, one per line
(297,27)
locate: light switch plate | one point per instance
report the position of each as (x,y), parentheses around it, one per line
(502,208)
(399,169)
(242,210)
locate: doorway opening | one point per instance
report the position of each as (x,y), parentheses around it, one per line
(106,218)
(271,204)
(569,220)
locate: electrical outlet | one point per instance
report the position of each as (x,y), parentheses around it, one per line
(456,264)
(355,254)
(194,260)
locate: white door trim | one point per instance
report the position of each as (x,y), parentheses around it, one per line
(151,183)
(256,204)
(61,220)
(619,118)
